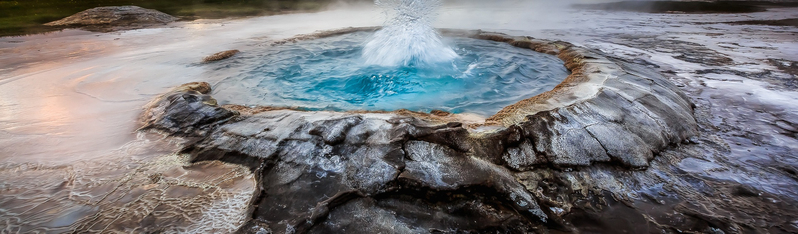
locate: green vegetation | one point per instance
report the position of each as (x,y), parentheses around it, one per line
(20,17)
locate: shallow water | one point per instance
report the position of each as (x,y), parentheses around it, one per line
(330,74)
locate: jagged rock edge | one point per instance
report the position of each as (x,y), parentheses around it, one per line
(516,118)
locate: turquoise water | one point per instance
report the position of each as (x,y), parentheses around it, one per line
(330,74)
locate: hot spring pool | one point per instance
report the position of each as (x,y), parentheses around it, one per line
(330,74)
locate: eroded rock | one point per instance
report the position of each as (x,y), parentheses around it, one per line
(329,171)
(220,56)
(187,110)
(114,18)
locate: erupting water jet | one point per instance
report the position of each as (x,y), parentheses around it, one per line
(408,38)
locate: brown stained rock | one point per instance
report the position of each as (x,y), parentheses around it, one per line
(114,18)
(245,110)
(440,113)
(539,46)
(494,37)
(220,56)
(201,87)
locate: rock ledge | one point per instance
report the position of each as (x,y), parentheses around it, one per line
(115,18)
(332,172)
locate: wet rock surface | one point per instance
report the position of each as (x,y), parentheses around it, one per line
(186,110)
(689,6)
(784,22)
(735,176)
(155,191)
(310,164)
(107,19)
(555,161)
(220,56)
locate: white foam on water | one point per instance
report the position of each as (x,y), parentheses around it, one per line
(408,37)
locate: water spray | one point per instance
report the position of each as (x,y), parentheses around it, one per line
(408,38)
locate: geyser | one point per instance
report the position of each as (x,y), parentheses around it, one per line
(408,37)
(404,65)
(330,74)
(400,172)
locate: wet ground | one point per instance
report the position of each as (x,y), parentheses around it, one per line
(70,158)
(695,7)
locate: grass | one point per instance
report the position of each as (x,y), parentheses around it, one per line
(22,17)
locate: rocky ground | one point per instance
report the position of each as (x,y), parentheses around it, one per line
(735,174)
(739,77)
(406,165)
(573,160)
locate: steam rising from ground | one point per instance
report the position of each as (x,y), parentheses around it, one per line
(408,37)
(69,99)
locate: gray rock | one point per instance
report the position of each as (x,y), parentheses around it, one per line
(310,159)
(187,110)
(366,172)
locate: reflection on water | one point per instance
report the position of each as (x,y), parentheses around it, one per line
(70,157)
(151,194)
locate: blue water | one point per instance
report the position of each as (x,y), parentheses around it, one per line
(330,74)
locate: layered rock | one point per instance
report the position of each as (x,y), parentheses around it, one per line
(604,111)
(114,18)
(413,172)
